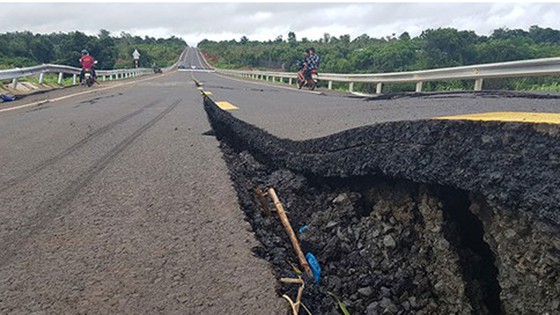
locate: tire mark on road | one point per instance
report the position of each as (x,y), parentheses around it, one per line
(49,210)
(5,186)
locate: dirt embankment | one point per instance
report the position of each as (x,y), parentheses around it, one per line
(429,217)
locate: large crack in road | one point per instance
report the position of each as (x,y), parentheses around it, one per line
(425,217)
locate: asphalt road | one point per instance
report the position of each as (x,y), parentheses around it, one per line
(287,112)
(115,202)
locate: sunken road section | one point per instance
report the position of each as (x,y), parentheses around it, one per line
(412,217)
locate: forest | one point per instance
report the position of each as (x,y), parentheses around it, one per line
(22,49)
(433,48)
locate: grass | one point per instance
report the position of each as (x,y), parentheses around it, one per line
(551,87)
(50,79)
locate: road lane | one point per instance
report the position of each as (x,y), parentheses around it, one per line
(297,114)
(117,203)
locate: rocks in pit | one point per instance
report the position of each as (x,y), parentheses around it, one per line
(388,247)
(389,242)
(527,258)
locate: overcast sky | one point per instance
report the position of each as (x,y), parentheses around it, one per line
(263,21)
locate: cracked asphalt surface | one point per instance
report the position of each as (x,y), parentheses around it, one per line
(116,203)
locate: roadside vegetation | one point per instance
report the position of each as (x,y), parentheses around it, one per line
(23,49)
(433,48)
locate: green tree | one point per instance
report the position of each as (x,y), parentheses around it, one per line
(448,47)
(292,38)
(42,49)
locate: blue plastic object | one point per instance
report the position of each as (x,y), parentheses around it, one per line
(302,229)
(315,267)
(7,98)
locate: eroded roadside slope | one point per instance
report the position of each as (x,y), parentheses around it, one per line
(425,217)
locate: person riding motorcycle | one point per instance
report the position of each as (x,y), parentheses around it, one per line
(87,62)
(311,62)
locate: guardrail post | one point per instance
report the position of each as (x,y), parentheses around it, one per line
(418,87)
(351,87)
(478,84)
(60,78)
(330,85)
(379,88)
(290,81)
(104,78)
(74,79)
(41,77)
(14,83)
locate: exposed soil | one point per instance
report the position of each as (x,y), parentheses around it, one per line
(426,217)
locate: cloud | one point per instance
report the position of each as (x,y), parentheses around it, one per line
(264,21)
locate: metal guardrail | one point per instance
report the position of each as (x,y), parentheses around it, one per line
(15,74)
(512,69)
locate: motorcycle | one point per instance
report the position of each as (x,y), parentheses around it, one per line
(88,76)
(310,83)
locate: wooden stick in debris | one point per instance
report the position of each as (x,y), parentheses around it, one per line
(306,309)
(286,223)
(297,304)
(264,205)
(292,280)
(299,295)
(292,304)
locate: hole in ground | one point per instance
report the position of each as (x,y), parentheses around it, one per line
(465,232)
(370,239)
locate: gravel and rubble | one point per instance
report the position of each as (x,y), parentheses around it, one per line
(389,243)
